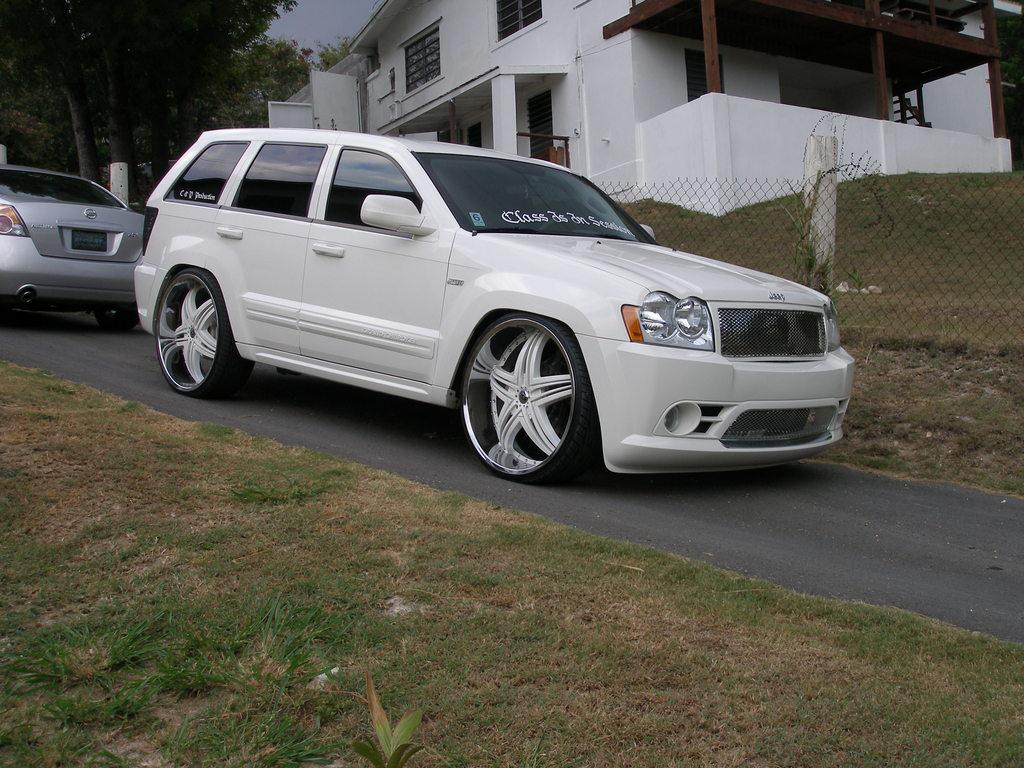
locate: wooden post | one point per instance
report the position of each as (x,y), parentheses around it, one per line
(883,98)
(920,105)
(995,72)
(712,67)
(931,12)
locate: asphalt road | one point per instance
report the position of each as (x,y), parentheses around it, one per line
(941,550)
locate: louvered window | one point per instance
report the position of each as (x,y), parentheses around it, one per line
(697,74)
(538,117)
(514,15)
(423,60)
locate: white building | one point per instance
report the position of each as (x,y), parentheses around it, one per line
(653,90)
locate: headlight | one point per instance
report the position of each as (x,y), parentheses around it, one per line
(831,327)
(663,319)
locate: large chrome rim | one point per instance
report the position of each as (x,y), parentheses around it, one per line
(519,397)
(187,332)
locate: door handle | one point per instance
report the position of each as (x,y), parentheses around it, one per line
(323,249)
(230,233)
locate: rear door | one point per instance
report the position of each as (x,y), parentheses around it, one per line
(71,218)
(263,237)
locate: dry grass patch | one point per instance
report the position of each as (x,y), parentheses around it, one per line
(939,412)
(188,610)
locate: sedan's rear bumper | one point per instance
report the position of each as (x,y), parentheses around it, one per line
(636,384)
(61,282)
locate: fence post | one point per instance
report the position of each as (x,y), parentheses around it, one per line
(821,160)
(119,181)
(3,154)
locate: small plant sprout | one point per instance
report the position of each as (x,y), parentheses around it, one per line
(393,748)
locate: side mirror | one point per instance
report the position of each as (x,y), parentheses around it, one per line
(396,213)
(649,230)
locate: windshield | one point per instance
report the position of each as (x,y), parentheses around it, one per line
(50,187)
(490,194)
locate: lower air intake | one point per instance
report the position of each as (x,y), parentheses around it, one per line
(778,426)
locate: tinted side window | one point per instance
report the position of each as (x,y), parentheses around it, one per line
(204,180)
(360,174)
(280,179)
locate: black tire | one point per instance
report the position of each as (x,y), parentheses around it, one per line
(228,371)
(116,318)
(579,448)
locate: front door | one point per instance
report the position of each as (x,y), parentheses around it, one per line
(371,298)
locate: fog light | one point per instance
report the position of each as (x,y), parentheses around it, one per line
(682,418)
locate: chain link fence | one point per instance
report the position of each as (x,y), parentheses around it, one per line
(913,256)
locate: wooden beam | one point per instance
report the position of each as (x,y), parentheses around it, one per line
(638,14)
(883,98)
(453,124)
(995,71)
(931,12)
(712,65)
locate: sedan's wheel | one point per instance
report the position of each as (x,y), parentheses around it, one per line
(194,341)
(117,318)
(527,404)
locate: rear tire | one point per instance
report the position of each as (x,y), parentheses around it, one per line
(117,318)
(194,342)
(528,408)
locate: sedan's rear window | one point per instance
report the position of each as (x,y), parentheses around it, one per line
(51,187)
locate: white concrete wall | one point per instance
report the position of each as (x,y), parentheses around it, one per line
(727,137)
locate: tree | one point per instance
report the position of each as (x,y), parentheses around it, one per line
(119,66)
(1011,38)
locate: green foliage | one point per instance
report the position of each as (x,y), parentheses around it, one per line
(393,748)
(1011,40)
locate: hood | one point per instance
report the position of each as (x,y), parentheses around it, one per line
(681,274)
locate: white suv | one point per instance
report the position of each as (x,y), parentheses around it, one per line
(508,288)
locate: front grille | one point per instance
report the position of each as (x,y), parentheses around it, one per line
(778,426)
(752,332)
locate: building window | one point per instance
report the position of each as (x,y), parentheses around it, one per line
(423,60)
(697,74)
(540,121)
(514,15)
(280,179)
(360,174)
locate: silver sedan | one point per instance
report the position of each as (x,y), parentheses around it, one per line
(67,244)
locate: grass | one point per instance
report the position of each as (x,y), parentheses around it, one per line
(946,250)
(168,591)
(938,412)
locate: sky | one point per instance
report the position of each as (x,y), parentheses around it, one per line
(323,21)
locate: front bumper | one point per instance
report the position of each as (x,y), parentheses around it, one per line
(636,384)
(62,282)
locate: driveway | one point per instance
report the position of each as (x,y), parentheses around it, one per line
(942,550)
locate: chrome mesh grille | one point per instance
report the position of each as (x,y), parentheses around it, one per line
(755,332)
(778,426)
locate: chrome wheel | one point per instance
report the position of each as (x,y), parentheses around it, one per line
(518,397)
(187,331)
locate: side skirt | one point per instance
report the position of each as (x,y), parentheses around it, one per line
(356,377)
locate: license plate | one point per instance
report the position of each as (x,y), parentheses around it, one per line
(84,240)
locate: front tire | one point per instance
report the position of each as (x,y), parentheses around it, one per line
(528,408)
(194,342)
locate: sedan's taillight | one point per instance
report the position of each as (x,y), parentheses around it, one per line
(11,223)
(147,227)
